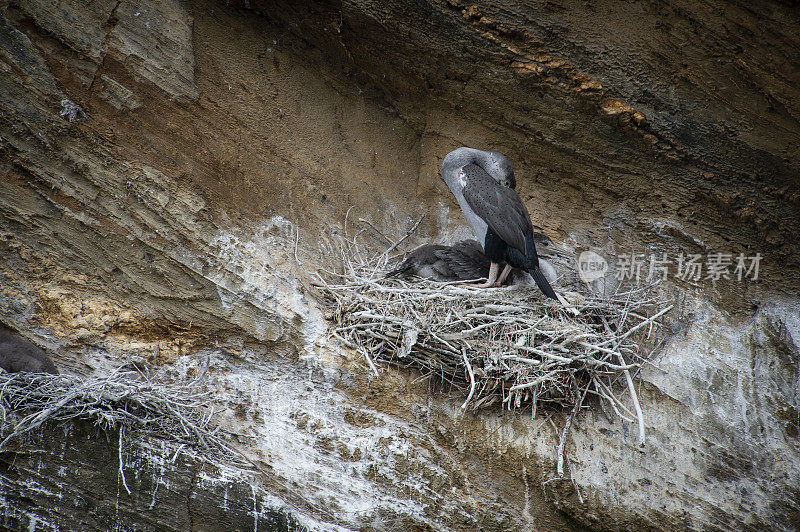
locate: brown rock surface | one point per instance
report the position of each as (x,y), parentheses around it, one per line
(157,161)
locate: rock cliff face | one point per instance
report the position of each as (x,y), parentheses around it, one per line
(163,165)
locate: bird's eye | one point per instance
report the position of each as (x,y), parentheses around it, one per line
(506,184)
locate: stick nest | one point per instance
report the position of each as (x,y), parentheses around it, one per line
(506,345)
(127,400)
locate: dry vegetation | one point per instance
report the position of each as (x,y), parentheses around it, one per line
(127,400)
(508,346)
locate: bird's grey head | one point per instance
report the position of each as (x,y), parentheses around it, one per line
(499,167)
(494,163)
(546,248)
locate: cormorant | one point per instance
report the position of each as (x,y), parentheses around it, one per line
(483,183)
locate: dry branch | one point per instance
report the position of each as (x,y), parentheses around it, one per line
(127,400)
(506,345)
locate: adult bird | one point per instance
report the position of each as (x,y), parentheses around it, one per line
(465,261)
(483,183)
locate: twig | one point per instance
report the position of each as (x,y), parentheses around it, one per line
(124,399)
(347,215)
(567,304)
(471,380)
(607,394)
(371,363)
(362,220)
(506,345)
(533,383)
(645,321)
(408,234)
(635,399)
(121,470)
(629,381)
(562,442)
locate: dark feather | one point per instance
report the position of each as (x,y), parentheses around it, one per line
(466,259)
(500,207)
(462,261)
(425,257)
(542,283)
(18,354)
(530,263)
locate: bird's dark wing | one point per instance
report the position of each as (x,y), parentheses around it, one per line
(542,283)
(420,257)
(18,354)
(471,248)
(466,259)
(500,207)
(441,271)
